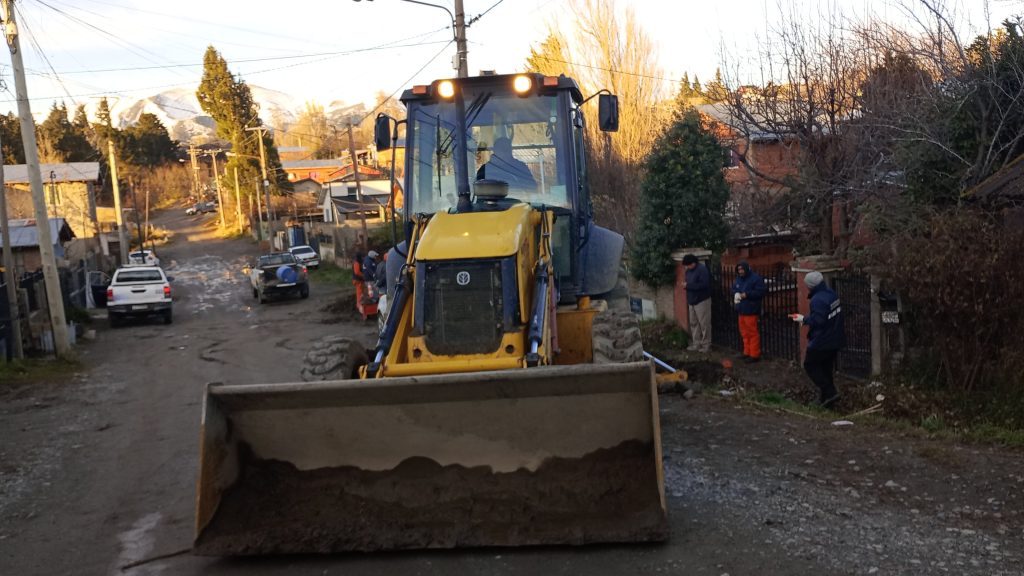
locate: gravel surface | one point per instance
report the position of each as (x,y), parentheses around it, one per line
(98,472)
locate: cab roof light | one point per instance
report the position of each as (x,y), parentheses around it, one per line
(446,89)
(551,81)
(522,84)
(420,89)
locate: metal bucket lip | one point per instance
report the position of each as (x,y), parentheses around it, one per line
(517,383)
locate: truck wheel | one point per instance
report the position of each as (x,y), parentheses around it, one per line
(114,320)
(334,358)
(168,317)
(616,337)
(304,291)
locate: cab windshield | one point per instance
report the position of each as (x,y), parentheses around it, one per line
(508,138)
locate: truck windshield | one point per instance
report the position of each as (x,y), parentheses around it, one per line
(509,138)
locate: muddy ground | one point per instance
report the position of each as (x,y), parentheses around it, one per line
(97,471)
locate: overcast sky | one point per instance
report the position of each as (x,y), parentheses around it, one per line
(328,50)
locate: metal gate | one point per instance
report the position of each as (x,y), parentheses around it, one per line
(780,336)
(854,293)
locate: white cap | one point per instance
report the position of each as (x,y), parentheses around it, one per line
(373,254)
(813,279)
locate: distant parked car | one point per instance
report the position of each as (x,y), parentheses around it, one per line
(145,257)
(201,208)
(306,256)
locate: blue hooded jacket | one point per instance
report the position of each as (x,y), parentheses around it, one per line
(826,330)
(753,285)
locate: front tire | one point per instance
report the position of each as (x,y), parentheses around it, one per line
(616,337)
(334,358)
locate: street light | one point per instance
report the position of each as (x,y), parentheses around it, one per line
(459,27)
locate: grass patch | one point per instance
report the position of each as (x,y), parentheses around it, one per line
(777,400)
(331,274)
(31,370)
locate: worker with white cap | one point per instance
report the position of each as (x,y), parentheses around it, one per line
(825,336)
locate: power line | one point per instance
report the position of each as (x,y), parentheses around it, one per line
(475,18)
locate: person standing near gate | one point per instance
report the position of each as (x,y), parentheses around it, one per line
(825,336)
(747,293)
(698,301)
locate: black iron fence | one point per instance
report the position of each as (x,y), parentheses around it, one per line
(780,336)
(854,293)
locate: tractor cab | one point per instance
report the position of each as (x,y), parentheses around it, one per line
(490,142)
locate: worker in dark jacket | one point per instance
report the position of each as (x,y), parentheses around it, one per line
(697,284)
(825,336)
(747,293)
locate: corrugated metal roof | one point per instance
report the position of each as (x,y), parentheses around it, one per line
(24,233)
(296,164)
(66,172)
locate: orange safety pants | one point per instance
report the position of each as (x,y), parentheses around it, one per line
(750,335)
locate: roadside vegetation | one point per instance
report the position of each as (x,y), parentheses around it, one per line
(17,373)
(329,273)
(904,407)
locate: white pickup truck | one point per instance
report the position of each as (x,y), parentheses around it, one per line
(137,291)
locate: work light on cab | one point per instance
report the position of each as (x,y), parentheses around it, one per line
(522,84)
(446,89)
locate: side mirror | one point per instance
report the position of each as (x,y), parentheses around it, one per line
(608,112)
(382,132)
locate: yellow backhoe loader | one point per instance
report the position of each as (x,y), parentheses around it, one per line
(507,401)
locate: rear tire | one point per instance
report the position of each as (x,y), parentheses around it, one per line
(304,291)
(334,358)
(114,320)
(168,317)
(616,337)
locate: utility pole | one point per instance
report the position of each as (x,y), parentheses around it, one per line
(259,215)
(122,238)
(238,203)
(138,217)
(146,235)
(460,40)
(216,181)
(9,277)
(54,298)
(266,182)
(195,171)
(359,187)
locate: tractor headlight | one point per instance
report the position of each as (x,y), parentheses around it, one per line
(522,84)
(446,89)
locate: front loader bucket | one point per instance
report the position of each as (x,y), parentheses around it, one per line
(551,455)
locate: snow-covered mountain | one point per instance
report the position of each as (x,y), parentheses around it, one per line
(179,111)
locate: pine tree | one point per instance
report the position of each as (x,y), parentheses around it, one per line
(10,139)
(147,143)
(229,102)
(59,141)
(682,201)
(716,90)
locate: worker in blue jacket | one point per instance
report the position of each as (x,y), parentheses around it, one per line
(825,336)
(747,291)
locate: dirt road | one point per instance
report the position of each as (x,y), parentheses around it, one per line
(98,472)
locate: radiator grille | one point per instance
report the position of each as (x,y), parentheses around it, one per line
(463,307)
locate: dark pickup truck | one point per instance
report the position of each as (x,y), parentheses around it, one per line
(278,273)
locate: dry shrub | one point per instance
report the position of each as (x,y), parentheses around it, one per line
(961,274)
